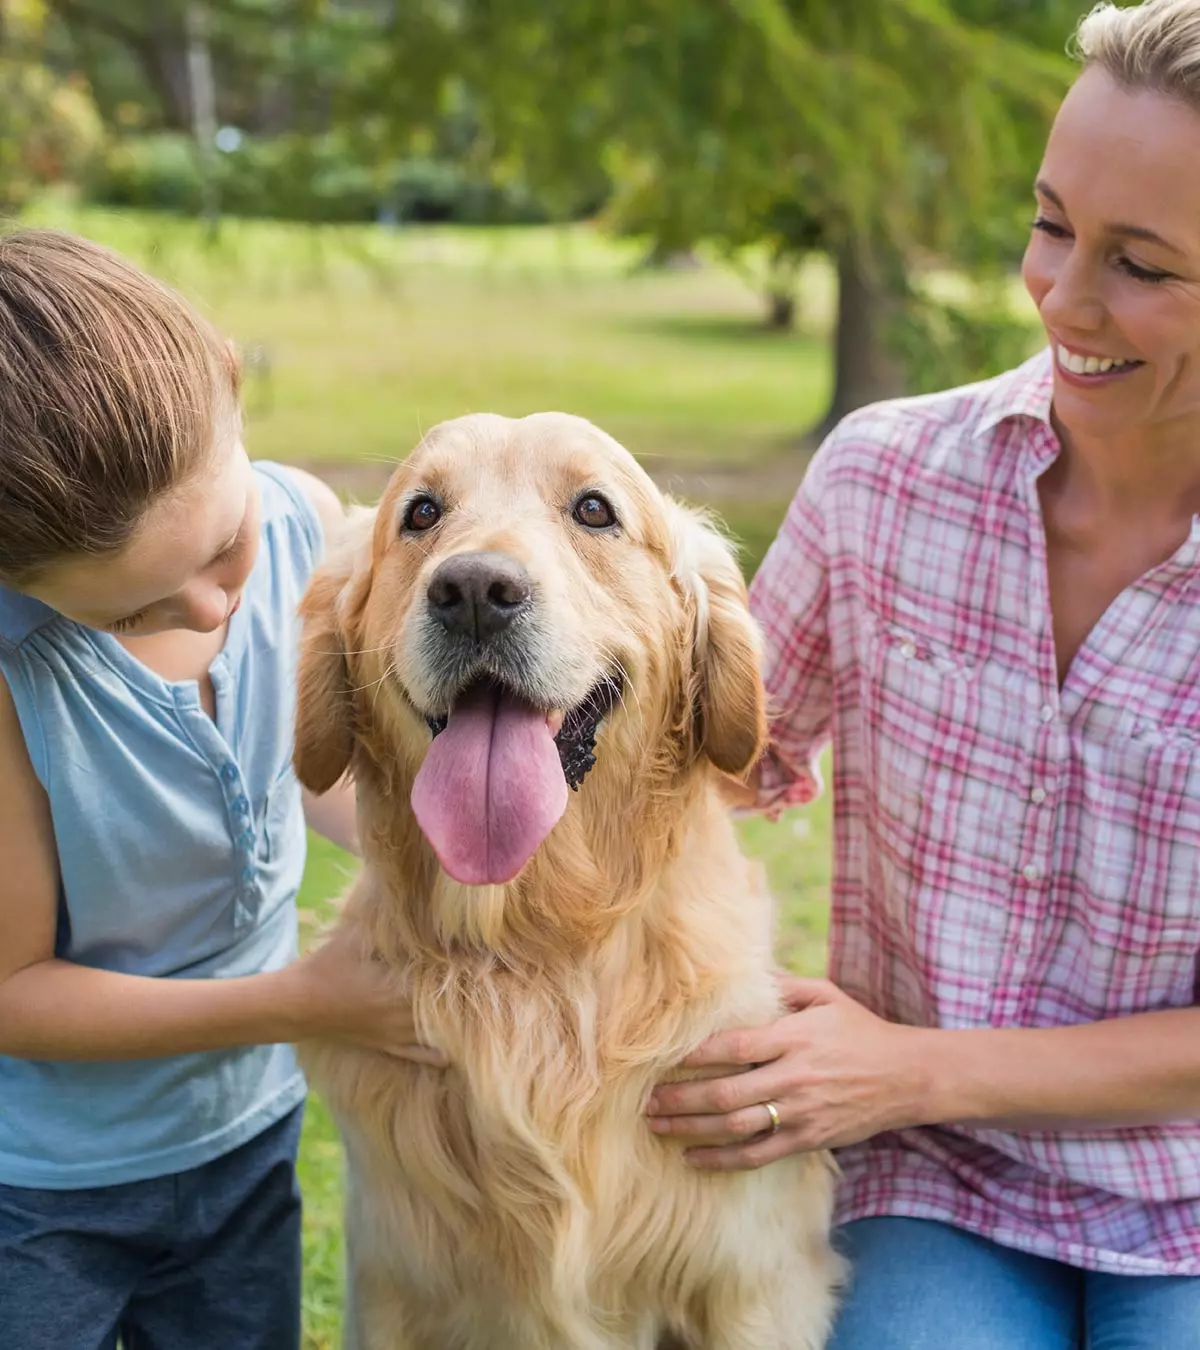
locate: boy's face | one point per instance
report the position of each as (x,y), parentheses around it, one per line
(184,567)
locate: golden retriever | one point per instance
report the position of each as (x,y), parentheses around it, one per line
(528,615)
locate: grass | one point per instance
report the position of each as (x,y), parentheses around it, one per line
(372,336)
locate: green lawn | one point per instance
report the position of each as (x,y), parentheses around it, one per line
(373,336)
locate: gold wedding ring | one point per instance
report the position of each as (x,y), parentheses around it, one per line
(773,1112)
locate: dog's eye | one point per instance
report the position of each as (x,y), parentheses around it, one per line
(422,514)
(594,512)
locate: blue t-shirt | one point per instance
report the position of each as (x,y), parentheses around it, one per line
(181,845)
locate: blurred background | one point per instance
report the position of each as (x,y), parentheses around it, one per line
(711,226)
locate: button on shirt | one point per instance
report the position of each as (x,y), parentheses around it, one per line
(1006,854)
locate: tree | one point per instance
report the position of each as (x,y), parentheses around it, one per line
(48,123)
(280,62)
(878,130)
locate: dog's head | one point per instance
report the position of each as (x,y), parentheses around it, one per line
(525,603)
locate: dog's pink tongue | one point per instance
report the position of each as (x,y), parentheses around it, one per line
(491,787)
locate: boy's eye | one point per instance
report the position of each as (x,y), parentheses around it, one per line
(231,552)
(128,622)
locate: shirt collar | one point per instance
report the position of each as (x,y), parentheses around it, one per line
(1026,391)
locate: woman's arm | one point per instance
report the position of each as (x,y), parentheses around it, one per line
(55,1010)
(838,1074)
(1137,1070)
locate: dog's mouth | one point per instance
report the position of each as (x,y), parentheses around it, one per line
(495,778)
(574,731)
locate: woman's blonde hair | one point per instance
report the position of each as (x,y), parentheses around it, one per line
(113,391)
(1153,46)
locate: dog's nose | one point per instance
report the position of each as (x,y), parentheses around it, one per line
(478,594)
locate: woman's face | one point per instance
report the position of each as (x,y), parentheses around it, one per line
(184,567)
(1113,263)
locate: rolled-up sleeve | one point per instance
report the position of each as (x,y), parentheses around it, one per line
(790,600)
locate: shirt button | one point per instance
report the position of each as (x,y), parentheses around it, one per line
(244,840)
(248,875)
(1047,713)
(241,806)
(908,650)
(1037,796)
(229,771)
(1030,872)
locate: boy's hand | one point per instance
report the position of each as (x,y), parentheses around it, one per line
(341,994)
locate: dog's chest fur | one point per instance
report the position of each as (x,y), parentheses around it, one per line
(531,1154)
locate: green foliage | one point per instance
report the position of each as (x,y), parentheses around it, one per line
(304,178)
(723,113)
(946,342)
(48,123)
(880,131)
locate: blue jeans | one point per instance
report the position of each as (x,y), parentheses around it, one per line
(207,1259)
(920,1285)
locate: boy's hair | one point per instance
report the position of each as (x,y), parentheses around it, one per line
(113,390)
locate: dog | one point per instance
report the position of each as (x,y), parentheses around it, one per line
(542,673)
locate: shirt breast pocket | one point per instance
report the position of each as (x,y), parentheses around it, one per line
(934,724)
(1138,847)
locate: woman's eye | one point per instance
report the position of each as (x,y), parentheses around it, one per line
(594,512)
(422,514)
(1139,273)
(1049,227)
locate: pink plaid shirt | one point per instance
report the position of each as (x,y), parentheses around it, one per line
(1006,853)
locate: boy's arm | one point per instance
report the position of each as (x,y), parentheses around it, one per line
(334,814)
(56,1010)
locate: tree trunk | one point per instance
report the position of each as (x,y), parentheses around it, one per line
(781,311)
(865,368)
(203,108)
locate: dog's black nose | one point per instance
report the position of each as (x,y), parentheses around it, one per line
(478,594)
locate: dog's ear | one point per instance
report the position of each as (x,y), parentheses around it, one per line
(324,700)
(727,695)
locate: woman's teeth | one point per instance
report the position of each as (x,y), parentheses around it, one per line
(1090,365)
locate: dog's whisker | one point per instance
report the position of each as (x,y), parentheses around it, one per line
(627,684)
(379,683)
(374,684)
(354,651)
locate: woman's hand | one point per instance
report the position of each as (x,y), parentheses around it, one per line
(342,994)
(834,1072)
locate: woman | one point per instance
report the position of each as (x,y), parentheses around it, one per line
(990,601)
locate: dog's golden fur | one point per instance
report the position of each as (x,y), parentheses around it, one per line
(517,1200)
